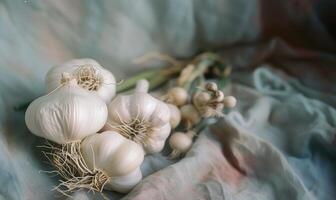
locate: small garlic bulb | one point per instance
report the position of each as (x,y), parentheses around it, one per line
(116,157)
(177,96)
(201,99)
(140,117)
(230,101)
(67,114)
(180,143)
(190,115)
(175,116)
(211,101)
(89,75)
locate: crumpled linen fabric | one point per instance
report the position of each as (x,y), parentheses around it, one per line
(274,145)
(278,143)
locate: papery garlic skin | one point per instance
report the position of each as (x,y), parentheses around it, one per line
(119,158)
(105,84)
(67,114)
(141,118)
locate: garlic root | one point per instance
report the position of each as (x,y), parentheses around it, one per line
(72,168)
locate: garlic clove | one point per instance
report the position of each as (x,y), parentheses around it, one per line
(161,115)
(112,153)
(162,132)
(68,114)
(125,183)
(142,106)
(154,146)
(175,116)
(119,111)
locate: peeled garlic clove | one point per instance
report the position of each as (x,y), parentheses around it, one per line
(175,115)
(67,114)
(190,114)
(230,101)
(140,117)
(89,74)
(177,96)
(119,158)
(180,141)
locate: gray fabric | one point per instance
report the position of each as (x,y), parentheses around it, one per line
(279,143)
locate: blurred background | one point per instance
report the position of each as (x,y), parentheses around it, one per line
(296,37)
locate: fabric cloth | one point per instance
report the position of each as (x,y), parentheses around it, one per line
(278,143)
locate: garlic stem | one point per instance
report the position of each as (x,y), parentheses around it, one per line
(130,82)
(142,86)
(200,126)
(156,77)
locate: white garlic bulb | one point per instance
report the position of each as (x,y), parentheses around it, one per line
(117,157)
(190,115)
(89,75)
(141,118)
(67,114)
(230,101)
(180,143)
(175,115)
(177,96)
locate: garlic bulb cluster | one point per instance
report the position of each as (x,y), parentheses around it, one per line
(118,157)
(99,141)
(212,101)
(67,114)
(140,117)
(89,75)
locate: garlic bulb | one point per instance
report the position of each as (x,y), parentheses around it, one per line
(180,143)
(230,101)
(140,117)
(89,75)
(177,96)
(190,115)
(175,116)
(67,114)
(117,157)
(211,101)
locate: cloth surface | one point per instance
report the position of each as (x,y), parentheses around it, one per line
(278,143)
